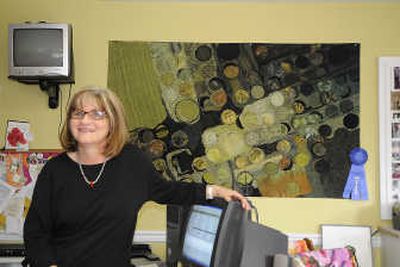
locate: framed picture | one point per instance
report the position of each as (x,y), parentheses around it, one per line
(389,133)
(358,237)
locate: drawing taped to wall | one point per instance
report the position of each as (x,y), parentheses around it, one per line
(18,174)
(274,120)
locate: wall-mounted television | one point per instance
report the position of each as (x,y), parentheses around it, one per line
(40,51)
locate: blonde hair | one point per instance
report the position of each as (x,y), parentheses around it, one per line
(110,103)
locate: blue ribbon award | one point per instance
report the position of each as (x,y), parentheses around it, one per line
(356,185)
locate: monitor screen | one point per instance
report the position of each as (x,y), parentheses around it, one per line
(38,47)
(223,234)
(201,232)
(40,51)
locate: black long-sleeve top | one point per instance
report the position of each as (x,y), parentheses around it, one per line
(70,224)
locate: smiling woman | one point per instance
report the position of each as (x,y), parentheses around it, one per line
(106,120)
(86,200)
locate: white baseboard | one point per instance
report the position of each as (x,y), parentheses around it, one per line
(150,237)
(160,237)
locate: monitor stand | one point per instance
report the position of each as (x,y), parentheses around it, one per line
(176,218)
(261,244)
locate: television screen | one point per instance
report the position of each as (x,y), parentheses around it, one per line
(38,47)
(40,51)
(201,232)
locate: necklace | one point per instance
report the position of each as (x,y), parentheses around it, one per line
(92,183)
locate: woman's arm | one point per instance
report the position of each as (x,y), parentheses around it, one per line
(171,192)
(38,224)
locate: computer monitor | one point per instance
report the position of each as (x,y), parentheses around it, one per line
(211,231)
(222,234)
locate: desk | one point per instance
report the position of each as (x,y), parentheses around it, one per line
(143,262)
(137,262)
(390,247)
(11,255)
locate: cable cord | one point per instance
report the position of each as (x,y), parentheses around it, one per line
(253,208)
(61,112)
(69,95)
(62,107)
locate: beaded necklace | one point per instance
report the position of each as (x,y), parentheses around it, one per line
(92,183)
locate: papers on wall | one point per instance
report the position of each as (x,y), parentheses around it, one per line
(5,195)
(14,215)
(18,175)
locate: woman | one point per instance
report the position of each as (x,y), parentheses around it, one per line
(86,200)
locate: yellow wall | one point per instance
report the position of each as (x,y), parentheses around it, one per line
(95,22)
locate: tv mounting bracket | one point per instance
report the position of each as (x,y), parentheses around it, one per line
(53,90)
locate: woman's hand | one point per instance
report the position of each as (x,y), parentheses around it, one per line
(228,195)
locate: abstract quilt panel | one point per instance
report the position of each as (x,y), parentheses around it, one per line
(275,120)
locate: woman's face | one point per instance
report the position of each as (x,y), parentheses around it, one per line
(89,124)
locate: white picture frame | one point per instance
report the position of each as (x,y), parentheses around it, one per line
(356,236)
(389,133)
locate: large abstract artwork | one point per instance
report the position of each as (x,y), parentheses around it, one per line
(276,120)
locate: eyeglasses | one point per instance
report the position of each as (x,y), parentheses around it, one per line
(93,114)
